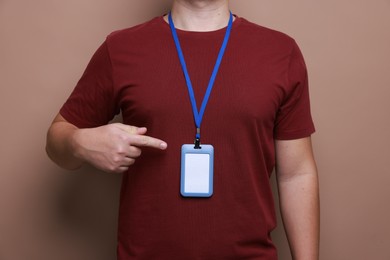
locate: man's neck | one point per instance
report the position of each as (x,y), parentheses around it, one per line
(200,15)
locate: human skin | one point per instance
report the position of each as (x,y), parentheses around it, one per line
(297,180)
(111,148)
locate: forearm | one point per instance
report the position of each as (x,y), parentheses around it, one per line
(60,147)
(299,202)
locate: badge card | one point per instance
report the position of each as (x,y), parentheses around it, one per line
(197,171)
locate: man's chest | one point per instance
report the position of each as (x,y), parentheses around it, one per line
(243,90)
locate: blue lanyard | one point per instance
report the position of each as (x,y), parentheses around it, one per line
(199,115)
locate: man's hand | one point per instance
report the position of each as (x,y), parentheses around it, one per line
(111,148)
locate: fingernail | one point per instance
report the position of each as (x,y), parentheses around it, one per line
(163,145)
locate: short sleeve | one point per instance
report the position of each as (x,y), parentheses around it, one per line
(294,118)
(92,102)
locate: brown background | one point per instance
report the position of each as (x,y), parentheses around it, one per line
(47,213)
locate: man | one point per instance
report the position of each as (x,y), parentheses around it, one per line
(257,116)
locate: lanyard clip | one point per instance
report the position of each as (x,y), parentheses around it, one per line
(197,143)
(197,139)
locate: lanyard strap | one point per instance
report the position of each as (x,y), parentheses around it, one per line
(199,115)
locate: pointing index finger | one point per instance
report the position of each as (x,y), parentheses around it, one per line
(148,141)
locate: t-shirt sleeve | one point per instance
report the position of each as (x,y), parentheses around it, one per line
(294,118)
(92,102)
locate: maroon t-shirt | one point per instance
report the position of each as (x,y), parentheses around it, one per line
(260,94)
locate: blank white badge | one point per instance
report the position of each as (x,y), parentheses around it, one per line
(197,171)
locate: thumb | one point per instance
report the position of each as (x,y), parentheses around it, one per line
(133,130)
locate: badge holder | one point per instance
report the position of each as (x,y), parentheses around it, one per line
(197,170)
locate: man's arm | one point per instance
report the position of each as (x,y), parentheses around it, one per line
(111,148)
(299,196)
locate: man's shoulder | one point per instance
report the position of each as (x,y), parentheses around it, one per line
(262,33)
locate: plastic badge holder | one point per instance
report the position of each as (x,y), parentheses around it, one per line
(197,170)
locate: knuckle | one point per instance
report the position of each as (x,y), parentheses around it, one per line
(125,138)
(120,150)
(116,159)
(144,141)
